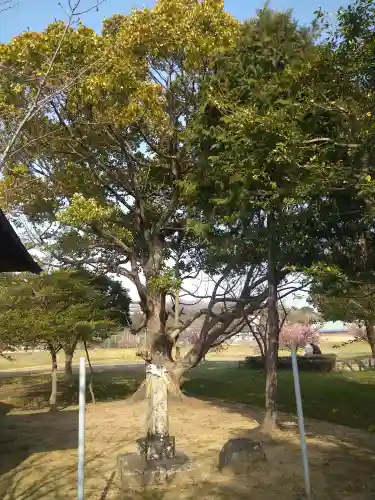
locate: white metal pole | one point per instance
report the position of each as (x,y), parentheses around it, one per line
(301,424)
(81,430)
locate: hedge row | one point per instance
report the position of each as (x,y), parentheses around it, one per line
(315,362)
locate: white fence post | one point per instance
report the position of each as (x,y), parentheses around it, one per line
(81,430)
(301,424)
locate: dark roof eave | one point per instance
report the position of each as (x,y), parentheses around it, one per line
(14,256)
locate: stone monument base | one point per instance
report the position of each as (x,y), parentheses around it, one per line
(136,473)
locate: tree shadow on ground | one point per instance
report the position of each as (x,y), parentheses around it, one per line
(30,433)
(38,457)
(330,478)
(31,392)
(37,480)
(336,473)
(5,408)
(342,460)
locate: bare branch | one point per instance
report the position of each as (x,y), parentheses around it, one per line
(7,5)
(37,104)
(34,104)
(170,209)
(89,9)
(10,154)
(142,326)
(288,291)
(286,312)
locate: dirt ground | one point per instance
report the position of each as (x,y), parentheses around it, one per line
(38,455)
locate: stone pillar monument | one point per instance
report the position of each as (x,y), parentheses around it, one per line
(158,444)
(157,461)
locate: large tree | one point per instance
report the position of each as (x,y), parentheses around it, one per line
(352,44)
(101,173)
(344,288)
(273,138)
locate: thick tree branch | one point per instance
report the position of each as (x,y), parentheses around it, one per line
(155,149)
(326,140)
(176,332)
(234,330)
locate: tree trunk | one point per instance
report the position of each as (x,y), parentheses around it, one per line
(53,397)
(157,349)
(177,311)
(68,364)
(91,388)
(273,334)
(157,422)
(262,346)
(370,333)
(174,378)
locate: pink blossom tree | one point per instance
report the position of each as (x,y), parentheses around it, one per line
(297,336)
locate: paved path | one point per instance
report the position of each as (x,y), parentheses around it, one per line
(100,367)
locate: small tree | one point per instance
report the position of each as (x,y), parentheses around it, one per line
(297,336)
(339,298)
(258,325)
(56,311)
(115,301)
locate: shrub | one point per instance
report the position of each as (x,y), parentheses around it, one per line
(319,363)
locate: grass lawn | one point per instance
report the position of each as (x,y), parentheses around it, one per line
(43,359)
(31,392)
(108,356)
(38,449)
(344,398)
(116,356)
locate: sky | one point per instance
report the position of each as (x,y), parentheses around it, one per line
(35,15)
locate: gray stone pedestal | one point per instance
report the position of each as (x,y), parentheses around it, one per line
(136,473)
(156,447)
